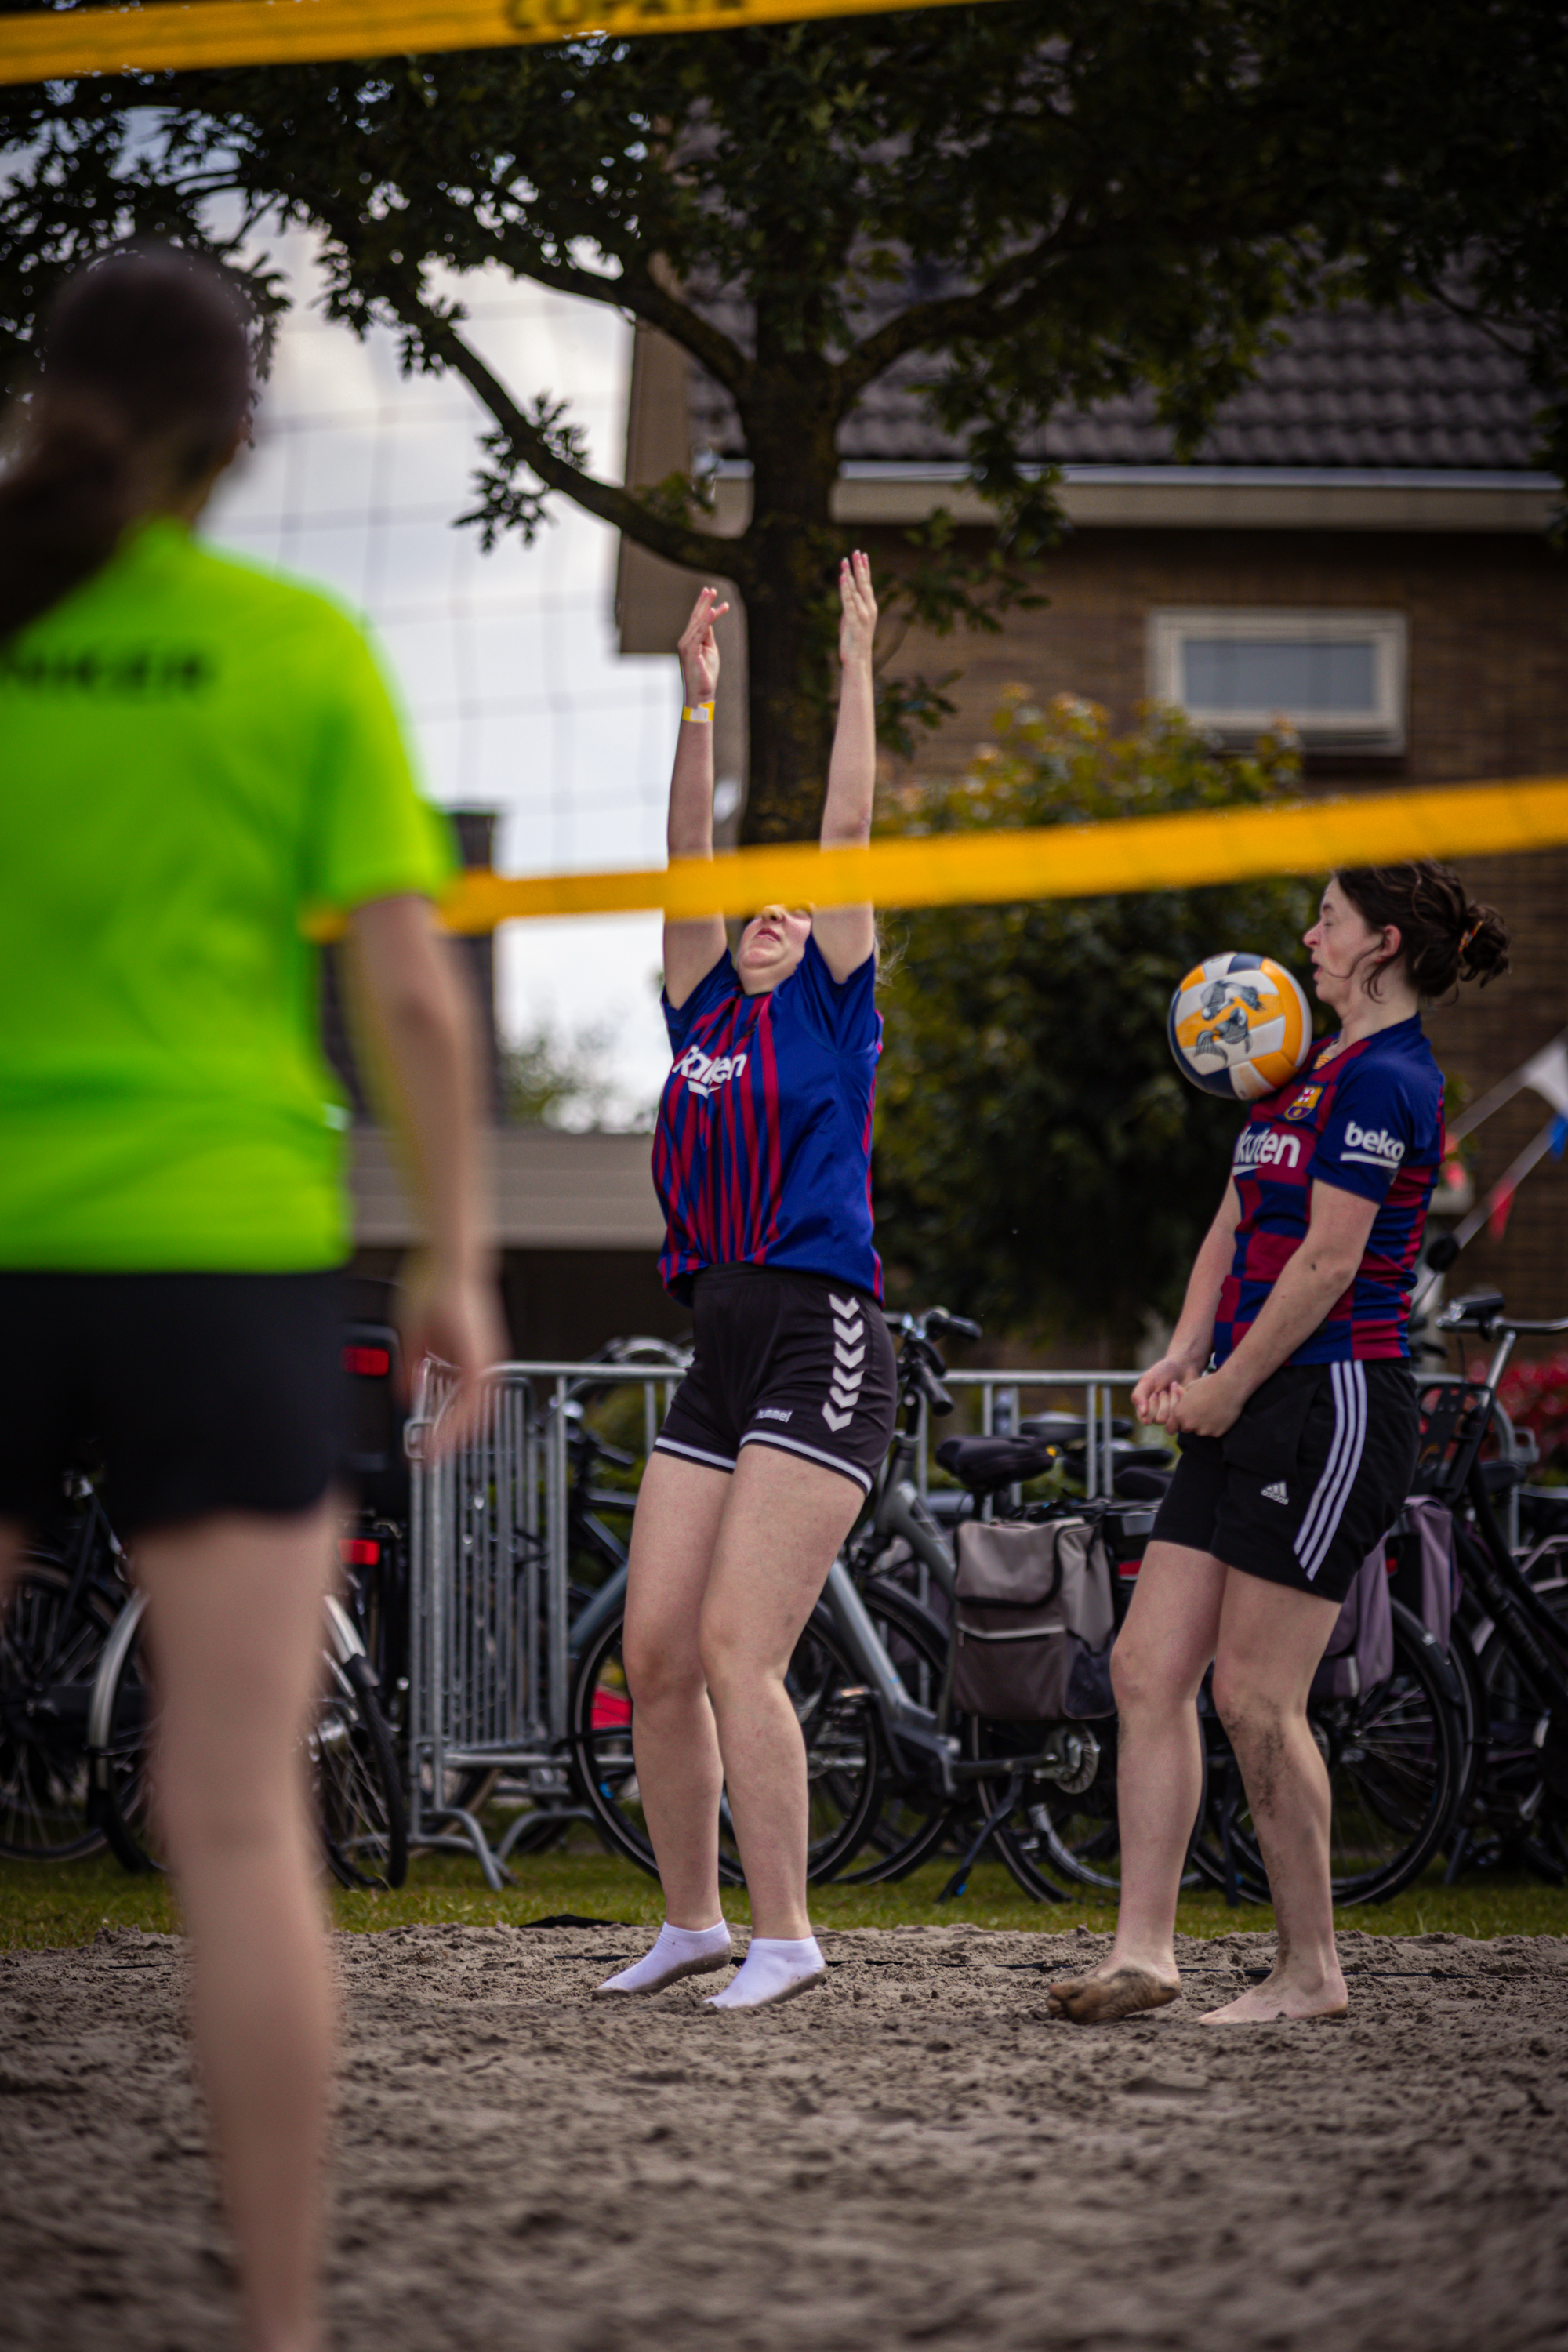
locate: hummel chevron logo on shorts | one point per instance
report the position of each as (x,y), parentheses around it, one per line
(1278,1493)
(849,1360)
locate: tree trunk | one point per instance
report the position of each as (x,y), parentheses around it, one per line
(791,633)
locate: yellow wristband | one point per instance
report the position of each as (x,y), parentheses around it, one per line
(698,714)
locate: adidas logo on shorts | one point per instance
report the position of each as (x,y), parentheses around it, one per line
(1278,1493)
(849,1360)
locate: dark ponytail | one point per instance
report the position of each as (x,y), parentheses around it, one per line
(1445,936)
(143,379)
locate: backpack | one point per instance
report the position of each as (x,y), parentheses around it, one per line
(1033,1621)
(1361,1648)
(1426,1578)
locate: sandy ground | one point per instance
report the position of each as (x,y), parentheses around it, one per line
(913,2154)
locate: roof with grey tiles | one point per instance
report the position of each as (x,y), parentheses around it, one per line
(1417,390)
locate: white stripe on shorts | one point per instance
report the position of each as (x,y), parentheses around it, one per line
(1318,1529)
(662,1444)
(813,1454)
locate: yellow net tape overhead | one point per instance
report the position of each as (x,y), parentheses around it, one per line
(1162,853)
(52,45)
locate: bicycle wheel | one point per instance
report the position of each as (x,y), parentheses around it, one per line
(360,1812)
(1396,1761)
(120,1735)
(835,1721)
(911,1818)
(52,1637)
(360,1818)
(1067,1828)
(1519,1797)
(1062,1823)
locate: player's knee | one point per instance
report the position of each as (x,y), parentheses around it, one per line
(1142,1676)
(721,1655)
(733,1667)
(659,1667)
(1245,1710)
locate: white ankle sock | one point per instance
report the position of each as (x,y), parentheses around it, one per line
(677,1952)
(774,1969)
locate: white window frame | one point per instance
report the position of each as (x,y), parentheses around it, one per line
(1320,730)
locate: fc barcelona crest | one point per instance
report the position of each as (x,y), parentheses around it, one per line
(1305,1104)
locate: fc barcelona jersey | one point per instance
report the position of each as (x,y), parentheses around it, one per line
(762,1155)
(1370,1121)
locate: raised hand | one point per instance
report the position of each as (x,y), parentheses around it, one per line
(699,647)
(858,625)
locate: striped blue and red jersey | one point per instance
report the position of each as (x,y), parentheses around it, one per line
(762,1154)
(1369,1121)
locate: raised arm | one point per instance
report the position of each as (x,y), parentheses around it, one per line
(847,935)
(691,949)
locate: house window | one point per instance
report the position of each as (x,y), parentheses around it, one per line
(1338,676)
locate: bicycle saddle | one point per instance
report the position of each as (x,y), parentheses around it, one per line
(1066,1428)
(985,1464)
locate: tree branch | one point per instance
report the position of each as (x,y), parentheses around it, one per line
(927,325)
(694,551)
(637,290)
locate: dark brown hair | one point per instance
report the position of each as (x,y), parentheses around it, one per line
(143,379)
(1444,934)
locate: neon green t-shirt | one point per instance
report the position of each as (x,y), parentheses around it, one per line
(193,752)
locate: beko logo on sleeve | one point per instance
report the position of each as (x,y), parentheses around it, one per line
(705,1073)
(1373,1147)
(1257,1148)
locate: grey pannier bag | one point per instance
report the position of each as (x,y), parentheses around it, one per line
(1032,1621)
(1360,1654)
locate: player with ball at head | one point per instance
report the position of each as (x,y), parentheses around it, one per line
(1288,1382)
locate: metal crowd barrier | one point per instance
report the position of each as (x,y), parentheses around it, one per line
(489,1674)
(489,1667)
(488,1603)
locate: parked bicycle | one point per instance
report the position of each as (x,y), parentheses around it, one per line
(67,1596)
(1512,1652)
(76,1709)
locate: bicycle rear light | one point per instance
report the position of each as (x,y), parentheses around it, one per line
(358,1551)
(368,1363)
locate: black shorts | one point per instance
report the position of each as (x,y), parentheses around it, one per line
(785,1359)
(193,1392)
(1313,1473)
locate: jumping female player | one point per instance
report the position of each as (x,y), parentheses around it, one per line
(763,1164)
(1298,1443)
(192,752)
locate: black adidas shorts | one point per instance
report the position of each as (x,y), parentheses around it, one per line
(1313,1473)
(785,1359)
(194,1392)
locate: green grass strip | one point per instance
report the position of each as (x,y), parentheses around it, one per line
(44,1905)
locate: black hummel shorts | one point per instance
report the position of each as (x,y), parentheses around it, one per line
(1314,1473)
(785,1359)
(194,1393)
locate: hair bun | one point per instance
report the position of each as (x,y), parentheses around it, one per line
(1483,945)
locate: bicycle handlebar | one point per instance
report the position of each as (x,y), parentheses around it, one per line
(936,1323)
(1482,1312)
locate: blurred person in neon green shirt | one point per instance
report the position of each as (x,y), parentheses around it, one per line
(194,753)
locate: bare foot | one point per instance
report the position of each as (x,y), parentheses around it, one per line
(1099,2000)
(1261,2004)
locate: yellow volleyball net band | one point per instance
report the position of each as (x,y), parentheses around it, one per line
(55,46)
(1068,861)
